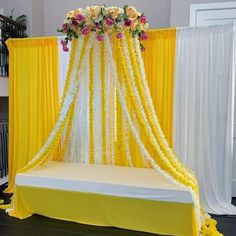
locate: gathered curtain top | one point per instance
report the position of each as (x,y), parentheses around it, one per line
(52,40)
(31,42)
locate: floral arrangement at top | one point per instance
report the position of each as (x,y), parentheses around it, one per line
(102,19)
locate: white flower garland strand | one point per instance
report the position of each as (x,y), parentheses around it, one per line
(137,127)
(97,105)
(110,113)
(126,141)
(78,145)
(137,97)
(70,151)
(150,104)
(137,137)
(125,133)
(75,64)
(125,129)
(72,78)
(84,116)
(76,122)
(112,121)
(77,57)
(73,155)
(107,109)
(79,121)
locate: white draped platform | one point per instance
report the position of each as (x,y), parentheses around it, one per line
(125,197)
(104,179)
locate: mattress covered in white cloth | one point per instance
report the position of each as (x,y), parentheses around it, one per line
(103,179)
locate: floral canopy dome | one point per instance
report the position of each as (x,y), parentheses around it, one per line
(102,20)
(106,112)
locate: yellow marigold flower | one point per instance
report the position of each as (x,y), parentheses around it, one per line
(93,11)
(115,11)
(132,12)
(71,14)
(78,11)
(144,26)
(134,25)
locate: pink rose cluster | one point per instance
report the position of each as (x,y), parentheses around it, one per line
(101,20)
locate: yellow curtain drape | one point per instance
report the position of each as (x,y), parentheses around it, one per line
(159,59)
(33,98)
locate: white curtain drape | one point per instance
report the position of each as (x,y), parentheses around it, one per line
(78,149)
(63,61)
(203,110)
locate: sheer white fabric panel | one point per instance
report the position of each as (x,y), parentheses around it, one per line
(63,61)
(203,110)
(78,149)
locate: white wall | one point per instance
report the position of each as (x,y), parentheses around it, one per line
(3,87)
(37,11)
(157,11)
(180,10)
(46,16)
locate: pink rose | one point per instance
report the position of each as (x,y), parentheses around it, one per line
(100,37)
(74,23)
(85,30)
(64,26)
(98,26)
(143,19)
(109,21)
(128,22)
(63,42)
(143,36)
(119,35)
(65,48)
(80,17)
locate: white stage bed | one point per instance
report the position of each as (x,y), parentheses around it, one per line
(125,197)
(110,180)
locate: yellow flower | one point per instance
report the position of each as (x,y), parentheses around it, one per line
(115,11)
(89,21)
(132,12)
(93,11)
(144,26)
(78,11)
(134,25)
(71,14)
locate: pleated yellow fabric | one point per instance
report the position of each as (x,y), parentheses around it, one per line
(167,218)
(33,98)
(159,59)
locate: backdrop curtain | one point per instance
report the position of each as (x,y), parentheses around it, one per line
(159,60)
(33,98)
(38,68)
(203,110)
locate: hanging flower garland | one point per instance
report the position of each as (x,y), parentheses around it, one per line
(101,19)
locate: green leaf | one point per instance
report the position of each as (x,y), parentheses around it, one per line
(22,19)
